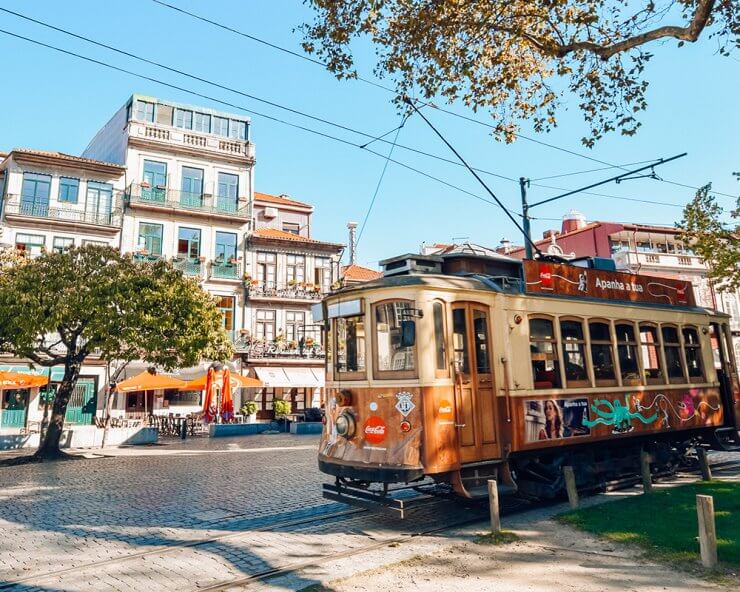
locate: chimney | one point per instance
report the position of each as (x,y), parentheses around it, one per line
(506,245)
(352,242)
(573,220)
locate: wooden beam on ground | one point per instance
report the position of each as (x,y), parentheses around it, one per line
(493,506)
(570,486)
(707,532)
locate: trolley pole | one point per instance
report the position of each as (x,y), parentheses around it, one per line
(523,182)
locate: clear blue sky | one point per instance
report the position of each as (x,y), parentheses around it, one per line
(55,102)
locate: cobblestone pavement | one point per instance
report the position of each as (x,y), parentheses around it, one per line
(183,516)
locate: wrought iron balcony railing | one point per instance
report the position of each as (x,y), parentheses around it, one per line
(189,266)
(298,291)
(260,349)
(143,194)
(15,207)
(224,270)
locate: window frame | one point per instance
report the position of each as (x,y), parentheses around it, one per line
(76,185)
(390,374)
(683,379)
(578,383)
(291,321)
(698,347)
(137,111)
(441,372)
(351,374)
(648,380)
(636,344)
(161,237)
(604,382)
(265,321)
(57,249)
(295,262)
(555,342)
(200,243)
(176,113)
(266,261)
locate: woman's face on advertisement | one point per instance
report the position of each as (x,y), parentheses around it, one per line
(549,410)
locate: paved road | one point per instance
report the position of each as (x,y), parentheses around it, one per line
(187,516)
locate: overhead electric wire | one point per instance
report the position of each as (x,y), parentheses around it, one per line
(606,168)
(426,104)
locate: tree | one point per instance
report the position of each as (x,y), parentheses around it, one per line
(710,239)
(517,58)
(62,308)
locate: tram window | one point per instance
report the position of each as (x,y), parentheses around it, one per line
(460,341)
(574,353)
(439,337)
(602,355)
(692,347)
(544,354)
(482,353)
(390,354)
(650,350)
(672,349)
(627,352)
(350,349)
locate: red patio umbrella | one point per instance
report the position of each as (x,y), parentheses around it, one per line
(227,402)
(209,408)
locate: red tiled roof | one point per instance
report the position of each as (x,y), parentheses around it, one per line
(360,274)
(275,234)
(279,199)
(68,157)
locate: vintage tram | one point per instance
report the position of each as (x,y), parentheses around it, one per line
(471,366)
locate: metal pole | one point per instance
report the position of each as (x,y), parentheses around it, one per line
(523,182)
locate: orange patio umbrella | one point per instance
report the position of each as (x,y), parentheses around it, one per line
(209,409)
(237,381)
(227,402)
(146,381)
(20,380)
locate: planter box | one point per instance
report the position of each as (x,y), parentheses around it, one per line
(306,427)
(82,436)
(221,430)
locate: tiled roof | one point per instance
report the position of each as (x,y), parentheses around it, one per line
(275,234)
(68,157)
(279,199)
(358,273)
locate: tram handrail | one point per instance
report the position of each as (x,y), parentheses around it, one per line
(507,393)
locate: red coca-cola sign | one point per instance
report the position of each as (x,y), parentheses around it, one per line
(546,277)
(374,429)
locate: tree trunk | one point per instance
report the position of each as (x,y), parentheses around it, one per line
(49,448)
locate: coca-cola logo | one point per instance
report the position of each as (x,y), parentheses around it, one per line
(546,276)
(445,410)
(374,429)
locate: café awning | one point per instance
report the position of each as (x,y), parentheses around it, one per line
(149,382)
(291,377)
(20,380)
(237,381)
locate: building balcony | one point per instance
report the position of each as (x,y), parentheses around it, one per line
(189,266)
(15,210)
(274,291)
(225,270)
(641,260)
(256,349)
(141,195)
(143,257)
(191,142)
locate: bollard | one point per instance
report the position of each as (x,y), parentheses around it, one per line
(647,481)
(570,486)
(184,430)
(707,532)
(493,506)
(706,472)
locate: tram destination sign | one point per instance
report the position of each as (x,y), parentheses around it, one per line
(569,280)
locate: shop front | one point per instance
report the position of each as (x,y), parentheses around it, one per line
(302,386)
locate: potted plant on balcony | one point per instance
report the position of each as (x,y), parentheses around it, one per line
(249,410)
(145,185)
(292,283)
(233,260)
(201,259)
(281,408)
(336,285)
(317,288)
(255,282)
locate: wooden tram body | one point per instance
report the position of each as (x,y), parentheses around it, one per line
(469,367)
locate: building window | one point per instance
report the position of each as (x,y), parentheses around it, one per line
(238,130)
(228,192)
(440,348)
(265,325)
(225,246)
(150,238)
(99,202)
(672,349)
(291,227)
(29,244)
(35,194)
(192,187)
(188,243)
(155,174)
(69,189)
(62,244)
(201,123)
(94,242)
(322,274)
(650,350)
(692,349)
(574,353)
(390,355)
(220,126)
(295,266)
(294,325)
(627,352)
(602,355)
(266,268)
(145,111)
(350,332)
(544,354)
(183,118)
(226,305)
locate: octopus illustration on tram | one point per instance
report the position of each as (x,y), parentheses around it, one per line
(473,366)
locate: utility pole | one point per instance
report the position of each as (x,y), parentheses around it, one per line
(523,183)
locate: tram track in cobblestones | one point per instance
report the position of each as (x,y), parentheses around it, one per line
(353,520)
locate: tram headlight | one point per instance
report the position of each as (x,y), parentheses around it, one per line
(345,425)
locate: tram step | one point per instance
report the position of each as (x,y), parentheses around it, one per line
(481,492)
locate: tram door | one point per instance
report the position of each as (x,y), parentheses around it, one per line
(475,408)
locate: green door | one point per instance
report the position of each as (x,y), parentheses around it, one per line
(82,403)
(14,408)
